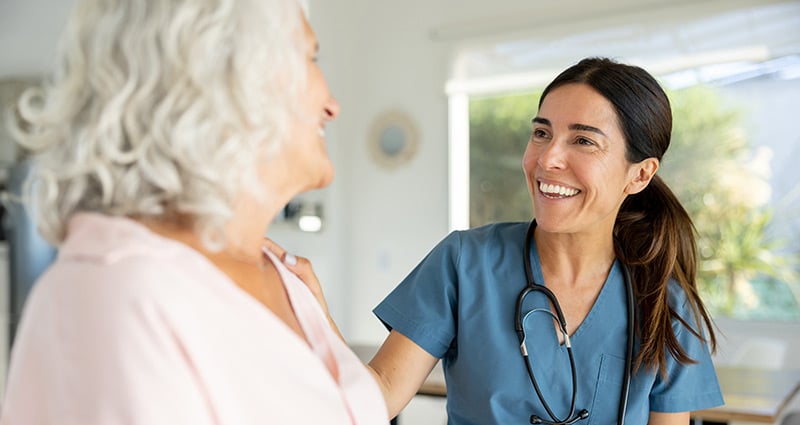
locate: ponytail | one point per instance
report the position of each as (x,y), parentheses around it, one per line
(653,230)
(657,240)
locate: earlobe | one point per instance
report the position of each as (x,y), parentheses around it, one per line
(644,172)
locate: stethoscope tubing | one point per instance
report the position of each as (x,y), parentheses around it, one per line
(532,286)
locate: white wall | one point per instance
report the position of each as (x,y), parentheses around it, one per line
(391,218)
(28,35)
(377,55)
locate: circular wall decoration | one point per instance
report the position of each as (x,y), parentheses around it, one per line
(393,139)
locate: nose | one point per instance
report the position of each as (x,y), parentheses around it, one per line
(332,108)
(551,156)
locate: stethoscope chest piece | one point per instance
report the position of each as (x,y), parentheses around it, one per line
(558,316)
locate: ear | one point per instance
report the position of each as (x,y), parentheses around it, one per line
(641,174)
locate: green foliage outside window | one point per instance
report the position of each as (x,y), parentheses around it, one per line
(744,270)
(499,130)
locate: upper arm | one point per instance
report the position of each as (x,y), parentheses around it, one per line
(400,367)
(421,314)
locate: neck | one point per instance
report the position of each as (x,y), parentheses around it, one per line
(575,257)
(242,254)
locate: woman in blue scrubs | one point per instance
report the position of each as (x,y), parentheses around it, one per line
(600,208)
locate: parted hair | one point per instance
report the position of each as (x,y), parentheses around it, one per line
(161,108)
(654,233)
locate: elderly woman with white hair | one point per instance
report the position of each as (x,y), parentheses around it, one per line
(171,135)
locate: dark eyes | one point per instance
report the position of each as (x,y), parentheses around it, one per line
(539,133)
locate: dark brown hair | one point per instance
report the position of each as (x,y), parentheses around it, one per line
(655,235)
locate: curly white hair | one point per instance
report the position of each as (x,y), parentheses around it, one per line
(162,108)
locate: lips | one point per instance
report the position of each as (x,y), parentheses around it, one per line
(557,191)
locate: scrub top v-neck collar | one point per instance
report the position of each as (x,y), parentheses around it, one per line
(614,275)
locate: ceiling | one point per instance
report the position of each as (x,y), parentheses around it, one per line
(681,46)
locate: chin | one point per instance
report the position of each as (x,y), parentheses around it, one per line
(549,223)
(326,178)
(325,182)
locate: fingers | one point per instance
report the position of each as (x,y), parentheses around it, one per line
(274,248)
(300,266)
(286,257)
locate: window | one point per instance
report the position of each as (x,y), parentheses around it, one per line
(733,155)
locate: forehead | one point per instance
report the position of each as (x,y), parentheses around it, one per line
(578,103)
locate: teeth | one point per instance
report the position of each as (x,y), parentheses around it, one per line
(552,189)
(321,132)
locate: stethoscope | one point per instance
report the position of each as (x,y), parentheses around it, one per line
(532,286)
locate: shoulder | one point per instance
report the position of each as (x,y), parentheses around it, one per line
(677,298)
(687,322)
(134,291)
(111,265)
(490,234)
(479,242)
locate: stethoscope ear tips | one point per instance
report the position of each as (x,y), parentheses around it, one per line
(583,414)
(535,419)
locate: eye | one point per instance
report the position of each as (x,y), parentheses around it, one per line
(584,141)
(538,133)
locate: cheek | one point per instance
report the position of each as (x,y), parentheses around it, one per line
(529,160)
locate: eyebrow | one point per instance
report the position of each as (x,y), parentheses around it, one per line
(584,127)
(579,127)
(541,120)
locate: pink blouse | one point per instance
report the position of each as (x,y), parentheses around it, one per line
(128,327)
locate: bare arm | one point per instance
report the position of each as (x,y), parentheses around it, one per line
(659,418)
(400,367)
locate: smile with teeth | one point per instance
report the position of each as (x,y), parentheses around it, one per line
(556,191)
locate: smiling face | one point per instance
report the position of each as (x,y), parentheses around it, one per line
(301,162)
(305,151)
(575,163)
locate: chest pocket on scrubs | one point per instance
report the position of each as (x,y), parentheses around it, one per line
(605,405)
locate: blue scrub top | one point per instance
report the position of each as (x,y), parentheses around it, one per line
(459,303)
